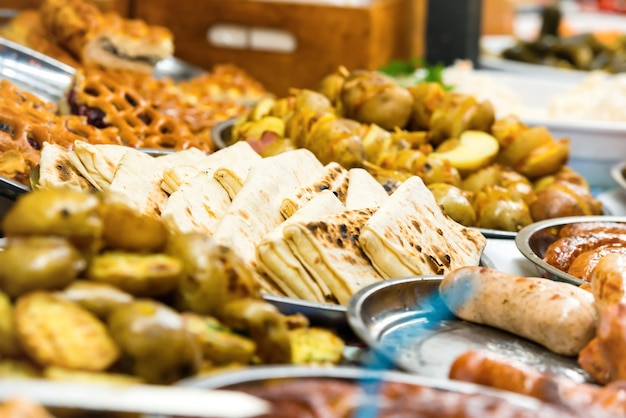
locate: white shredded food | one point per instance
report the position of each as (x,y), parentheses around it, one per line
(598,97)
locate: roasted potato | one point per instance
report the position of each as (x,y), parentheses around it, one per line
(456,203)
(60,212)
(264,324)
(98,298)
(219,344)
(315,346)
(372,97)
(137,274)
(56,332)
(154,341)
(336,139)
(497,209)
(126,229)
(38,263)
(213,274)
(9,344)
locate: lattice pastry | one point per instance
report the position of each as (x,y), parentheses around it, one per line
(106,39)
(26,122)
(109,102)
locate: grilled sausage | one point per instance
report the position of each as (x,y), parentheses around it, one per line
(562,252)
(608,280)
(585,228)
(585,263)
(557,315)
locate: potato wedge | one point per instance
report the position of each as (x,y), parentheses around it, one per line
(57,332)
(98,298)
(126,229)
(137,274)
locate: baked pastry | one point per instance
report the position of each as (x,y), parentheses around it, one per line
(108,103)
(105,39)
(26,29)
(27,122)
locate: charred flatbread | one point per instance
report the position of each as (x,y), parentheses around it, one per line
(197,206)
(56,169)
(137,182)
(364,191)
(330,251)
(276,259)
(255,210)
(411,235)
(333,178)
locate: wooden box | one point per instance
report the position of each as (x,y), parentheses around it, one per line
(120,6)
(319,37)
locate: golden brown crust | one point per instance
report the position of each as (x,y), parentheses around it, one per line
(564,199)
(93,37)
(562,252)
(585,263)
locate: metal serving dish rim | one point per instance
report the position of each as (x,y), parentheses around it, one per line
(522,241)
(260,373)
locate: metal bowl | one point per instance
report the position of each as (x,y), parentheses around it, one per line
(408,325)
(221,133)
(534,239)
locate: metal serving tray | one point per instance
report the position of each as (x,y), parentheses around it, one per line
(406,323)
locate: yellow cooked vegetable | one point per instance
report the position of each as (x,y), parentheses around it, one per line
(137,274)
(154,340)
(61,212)
(98,298)
(38,263)
(9,344)
(65,375)
(315,346)
(57,332)
(126,229)
(219,344)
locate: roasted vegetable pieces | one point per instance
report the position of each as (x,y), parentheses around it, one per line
(80,298)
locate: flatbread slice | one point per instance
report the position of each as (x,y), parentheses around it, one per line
(330,251)
(255,210)
(137,183)
(411,235)
(238,153)
(56,169)
(333,178)
(99,161)
(277,260)
(364,191)
(197,206)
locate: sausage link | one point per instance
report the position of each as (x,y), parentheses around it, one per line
(608,280)
(562,252)
(557,315)
(586,228)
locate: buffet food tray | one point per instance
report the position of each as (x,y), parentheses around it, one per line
(406,323)
(369,382)
(534,239)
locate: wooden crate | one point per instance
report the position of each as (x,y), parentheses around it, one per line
(325,36)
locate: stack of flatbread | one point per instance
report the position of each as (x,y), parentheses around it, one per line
(307,231)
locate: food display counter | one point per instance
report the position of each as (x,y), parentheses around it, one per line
(194,223)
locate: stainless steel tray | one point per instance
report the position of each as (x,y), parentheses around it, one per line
(406,323)
(370,379)
(326,314)
(533,241)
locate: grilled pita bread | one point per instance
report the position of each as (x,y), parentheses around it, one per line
(364,191)
(56,169)
(197,206)
(97,163)
(411,235)
(333,178)
(330,251)
(277,260)
(255,210)
(177,174)
(137,182)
